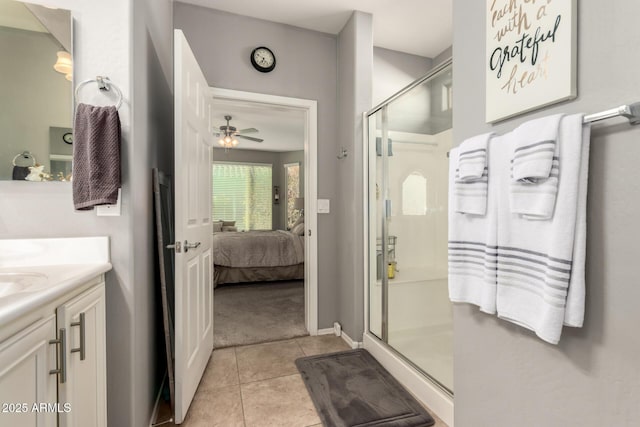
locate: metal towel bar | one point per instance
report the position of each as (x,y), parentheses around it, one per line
(103,84)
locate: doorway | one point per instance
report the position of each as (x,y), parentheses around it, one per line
(291,204)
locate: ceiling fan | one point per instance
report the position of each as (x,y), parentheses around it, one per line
(228,134)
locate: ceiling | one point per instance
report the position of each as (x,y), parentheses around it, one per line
(419,27)
(281,128)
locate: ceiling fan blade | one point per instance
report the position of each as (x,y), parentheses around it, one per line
(249,130)
(250,138)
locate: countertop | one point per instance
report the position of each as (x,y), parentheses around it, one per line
(61,279)
(63,264)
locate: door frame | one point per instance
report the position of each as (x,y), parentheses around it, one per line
(310,109)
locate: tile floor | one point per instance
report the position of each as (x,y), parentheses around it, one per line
(259,386)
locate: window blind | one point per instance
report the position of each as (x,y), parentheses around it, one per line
(242,193)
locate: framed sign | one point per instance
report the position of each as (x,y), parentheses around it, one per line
(530,57)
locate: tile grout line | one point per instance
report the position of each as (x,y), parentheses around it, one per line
(278,376)
(235,355)
(270,378)
(304,353)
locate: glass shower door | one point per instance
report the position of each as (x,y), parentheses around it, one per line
(409,310)
(378,265)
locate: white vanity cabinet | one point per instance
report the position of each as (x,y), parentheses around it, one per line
(26,360)
(85,385)
(70,337)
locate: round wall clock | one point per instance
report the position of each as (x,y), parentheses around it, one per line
(263,59)
(68,138)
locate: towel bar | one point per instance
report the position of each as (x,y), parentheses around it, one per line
(103,84)
(630,111)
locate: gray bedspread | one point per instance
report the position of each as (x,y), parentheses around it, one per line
(257,249)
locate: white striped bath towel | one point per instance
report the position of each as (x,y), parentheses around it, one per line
(535,167)
(472,175)
(470,281)
(540,264)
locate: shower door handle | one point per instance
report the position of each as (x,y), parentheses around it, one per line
(387,208)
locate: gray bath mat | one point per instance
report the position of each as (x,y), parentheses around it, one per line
(351,388)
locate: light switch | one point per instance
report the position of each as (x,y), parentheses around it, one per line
(324,206)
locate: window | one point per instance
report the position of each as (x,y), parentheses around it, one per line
(292,192)
(242,193)
(447,96)
(414,195)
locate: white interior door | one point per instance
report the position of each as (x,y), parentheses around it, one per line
(193,286)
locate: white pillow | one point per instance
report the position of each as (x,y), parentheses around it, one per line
(217,226)
(298,229)
(300,220)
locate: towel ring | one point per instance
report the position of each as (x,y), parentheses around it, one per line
(26,155)
(103,84)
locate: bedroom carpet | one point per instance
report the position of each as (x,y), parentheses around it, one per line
(258,312)
(351,388)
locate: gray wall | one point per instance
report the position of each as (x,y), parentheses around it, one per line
(355,79)
(40,96)
(306,68)
(504,375)
(152,146)
(393,70)
(132,345)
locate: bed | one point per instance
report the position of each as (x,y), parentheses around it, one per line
(257,256)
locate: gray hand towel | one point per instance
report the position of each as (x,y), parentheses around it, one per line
(96,156)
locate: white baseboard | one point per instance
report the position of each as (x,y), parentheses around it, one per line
(351,343)
(423,389)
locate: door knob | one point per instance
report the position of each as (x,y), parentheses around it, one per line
(188,245)
(177,246)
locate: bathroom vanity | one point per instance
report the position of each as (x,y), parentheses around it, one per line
(52,332)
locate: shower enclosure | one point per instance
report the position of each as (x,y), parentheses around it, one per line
(409,313)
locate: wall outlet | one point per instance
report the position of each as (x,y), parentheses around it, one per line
(111,210)
(337,329)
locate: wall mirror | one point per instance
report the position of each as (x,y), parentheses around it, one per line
(36,92)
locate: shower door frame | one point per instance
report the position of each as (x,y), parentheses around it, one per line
(419,382)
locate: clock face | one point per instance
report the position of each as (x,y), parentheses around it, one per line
(263,59)
(68,138)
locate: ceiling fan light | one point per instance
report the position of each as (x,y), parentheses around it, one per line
(234,142)
(221,142)
(227,139)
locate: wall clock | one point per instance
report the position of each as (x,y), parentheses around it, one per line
(263,59)
(68,138)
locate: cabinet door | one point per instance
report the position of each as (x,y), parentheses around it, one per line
(25,361)
(85,387)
